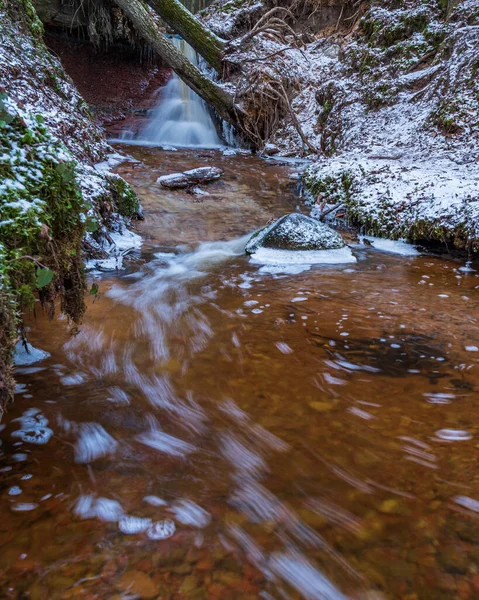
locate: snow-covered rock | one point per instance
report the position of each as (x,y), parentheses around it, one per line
(295,232)
(188,178)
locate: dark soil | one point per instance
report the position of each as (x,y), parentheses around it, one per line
(119,84)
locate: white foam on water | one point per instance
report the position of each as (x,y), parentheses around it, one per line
(20,456)
(439,397)
(295,569)
(154,501)
(93,442)
(130,525)
(26,354)
(293,262)
(467,502)
(284,348)
(161,530)
(394,246)
(76,379)
(24,506)
(104,509)
(33,427)
(163,442)
(453,435)
(188,512)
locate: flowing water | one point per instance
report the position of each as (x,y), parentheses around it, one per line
(221,431)
(181,117)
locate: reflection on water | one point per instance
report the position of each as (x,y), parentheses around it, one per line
(221,432)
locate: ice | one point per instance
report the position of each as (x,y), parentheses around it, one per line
(26,354)
(394,246)
(296,261)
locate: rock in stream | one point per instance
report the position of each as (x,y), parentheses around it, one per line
(190,178)
(295,232)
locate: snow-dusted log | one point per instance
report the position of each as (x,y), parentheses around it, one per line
(223,102)
(199,37)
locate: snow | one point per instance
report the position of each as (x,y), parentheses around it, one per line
(378,109)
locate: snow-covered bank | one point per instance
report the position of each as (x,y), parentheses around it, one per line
(55,206)
(390,99)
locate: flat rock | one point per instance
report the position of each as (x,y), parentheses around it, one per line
(174,181)
(177,181)
(203,174)
(295,232)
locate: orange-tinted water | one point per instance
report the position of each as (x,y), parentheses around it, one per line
(324,425)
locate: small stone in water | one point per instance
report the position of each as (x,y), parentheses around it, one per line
(472,348)
(161,530)
(14,491)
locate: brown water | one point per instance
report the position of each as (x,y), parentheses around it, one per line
(302,462)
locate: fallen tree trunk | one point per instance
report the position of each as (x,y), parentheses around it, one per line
(199,37)
(223,102)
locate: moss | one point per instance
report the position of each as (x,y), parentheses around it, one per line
(385,33)
(24,13)
(42,223)
(335,189)
(446,118)
(125,198)
(388,219)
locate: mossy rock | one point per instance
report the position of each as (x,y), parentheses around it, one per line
(295,232)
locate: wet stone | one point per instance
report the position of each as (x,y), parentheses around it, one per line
(295,232)
(190,178)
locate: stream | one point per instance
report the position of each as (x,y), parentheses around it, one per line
(224,430)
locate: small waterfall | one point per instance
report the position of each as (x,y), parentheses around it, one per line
(181,117)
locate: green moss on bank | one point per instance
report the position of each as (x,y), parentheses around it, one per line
(42,223)
(386,218)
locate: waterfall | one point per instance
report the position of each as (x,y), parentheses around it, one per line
(181,117)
